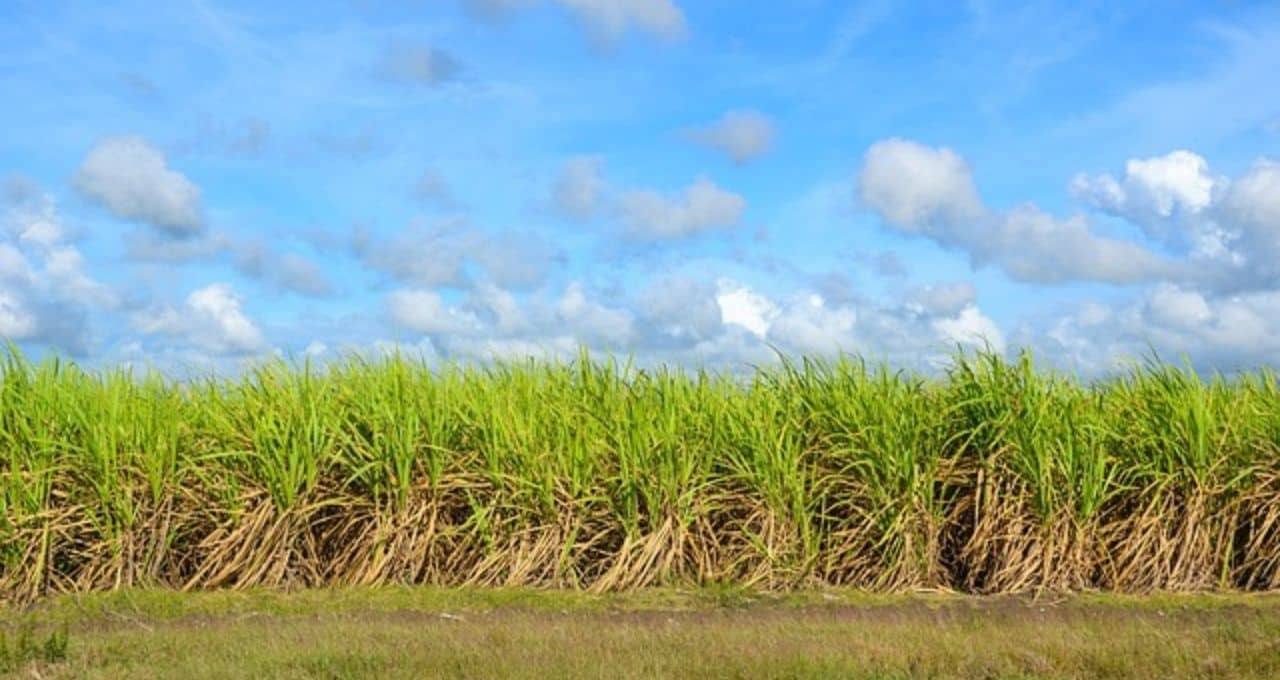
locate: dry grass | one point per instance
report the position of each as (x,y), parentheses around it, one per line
(996,477)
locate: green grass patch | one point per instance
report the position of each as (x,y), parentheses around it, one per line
(481,633)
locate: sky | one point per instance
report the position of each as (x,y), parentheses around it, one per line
(206,184)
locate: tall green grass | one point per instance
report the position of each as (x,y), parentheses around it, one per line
(993,476)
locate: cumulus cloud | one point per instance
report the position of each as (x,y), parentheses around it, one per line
(970,327)
(131,178)
(16,321)
(592,321)
(743,135)
(943,298)
(420,64)
(1154,192)
(690,320)
(703,206)
(499,309)
(424,311)
(1218,306)
(491,320)
(1031,245)
(515,259)
(1253,200)
(211,318)
(1227,230)
(580,192)
(930,191)
(1172,307)
(806,322)
(432,253)
(290,271)
(917,188)
(1250,213)
(47,295)
(579,189)
(681,308)
(811,327)
(1221,332)
(427,253)
(740,306)
(1152,187)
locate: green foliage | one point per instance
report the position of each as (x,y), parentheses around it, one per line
(27,648)
(994,475)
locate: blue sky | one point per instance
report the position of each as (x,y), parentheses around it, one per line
(207,183)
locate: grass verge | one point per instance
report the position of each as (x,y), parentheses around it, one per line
(711,633)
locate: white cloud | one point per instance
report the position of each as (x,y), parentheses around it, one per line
(593,321)
(1174,307)
(553,348)
(811,327)
(1252,205)
(424,254)
(740,306)
(972,328)
(1254,199)
(219,309)
(500,309)
(703,206)
(578,190)
(1228,231)
(46,293)
(511,259)
(438,252)
(290,271)
(918,188)
(131,178)
(13,266)
(1222,332)
(299,274)
(927,191)
(741,135)
(315,348)
(906,332)
(1032,245)
(493,321)
(943,298)
(426,312)
(64,269)
(211,318)
(682,308)
(1153,192)
(16,322)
